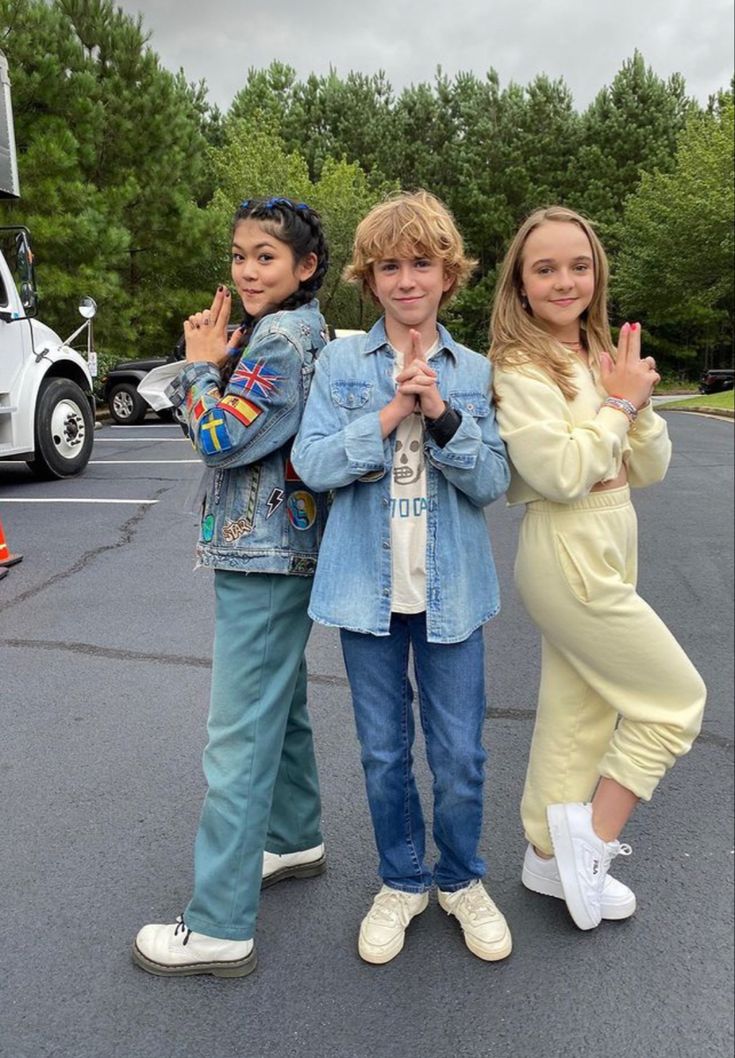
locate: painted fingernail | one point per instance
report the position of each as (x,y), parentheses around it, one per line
(219,288)
(633,326)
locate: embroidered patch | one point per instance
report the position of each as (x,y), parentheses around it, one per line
(301,564)
(213,434)
(244,410)
(273,502)
(301,507)
(254,376)
(232,531)
(198,410)
(289,473)
(208,528)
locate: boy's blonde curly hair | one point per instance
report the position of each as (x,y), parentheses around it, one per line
(409,224)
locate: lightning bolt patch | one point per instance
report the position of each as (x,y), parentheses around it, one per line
(274,501)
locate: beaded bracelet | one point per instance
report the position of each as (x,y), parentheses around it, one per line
(621,404)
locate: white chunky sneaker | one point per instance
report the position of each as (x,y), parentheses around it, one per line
(485,930)
(383,930)
(304,864)
(582,859)
(542,876)
(173,950)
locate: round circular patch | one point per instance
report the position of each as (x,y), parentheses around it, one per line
(208,528)
(301,507)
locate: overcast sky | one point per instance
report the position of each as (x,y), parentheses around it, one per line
(585,43)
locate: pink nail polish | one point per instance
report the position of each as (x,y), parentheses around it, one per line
(634,326)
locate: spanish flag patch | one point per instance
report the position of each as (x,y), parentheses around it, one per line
(243,410)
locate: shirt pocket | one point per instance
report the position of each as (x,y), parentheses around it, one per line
(474,403)
(351,394)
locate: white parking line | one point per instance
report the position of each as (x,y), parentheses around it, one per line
(67,499)
(145,462)
(121,440)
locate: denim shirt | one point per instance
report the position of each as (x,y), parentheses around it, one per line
(339,446)
(257,515)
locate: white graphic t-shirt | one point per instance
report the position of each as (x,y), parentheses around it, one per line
(408,510)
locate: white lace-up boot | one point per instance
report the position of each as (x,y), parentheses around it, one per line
(582,859)
(173,950)
(304,864)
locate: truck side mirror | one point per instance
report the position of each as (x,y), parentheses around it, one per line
(87,307)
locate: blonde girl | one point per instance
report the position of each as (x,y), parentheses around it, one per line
(619,700)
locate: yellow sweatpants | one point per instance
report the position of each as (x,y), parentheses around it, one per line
(618,695)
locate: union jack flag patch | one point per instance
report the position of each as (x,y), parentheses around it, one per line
(254,376)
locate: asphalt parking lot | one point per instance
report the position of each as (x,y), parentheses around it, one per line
(106,637)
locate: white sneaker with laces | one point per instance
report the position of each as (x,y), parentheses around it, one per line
(582,859)
(383,930)
(304,864)
(485,930)
(173,950)
(542,876)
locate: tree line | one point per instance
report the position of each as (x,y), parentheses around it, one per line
(129,177)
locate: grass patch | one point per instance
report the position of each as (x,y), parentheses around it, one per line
(722,402)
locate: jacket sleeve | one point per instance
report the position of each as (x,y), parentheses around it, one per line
(650,449)
(258,410)
(558,459)
(330,451)
(474,459)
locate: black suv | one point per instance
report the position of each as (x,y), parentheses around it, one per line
(119,387)
(716,379)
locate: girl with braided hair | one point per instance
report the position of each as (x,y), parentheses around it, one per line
(242,403)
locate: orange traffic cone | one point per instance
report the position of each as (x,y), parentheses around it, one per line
(6,559)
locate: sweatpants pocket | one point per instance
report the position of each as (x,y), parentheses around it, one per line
(572,569)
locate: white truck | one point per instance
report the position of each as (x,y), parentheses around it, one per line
(47,401)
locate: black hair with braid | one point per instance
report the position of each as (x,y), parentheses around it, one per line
(299,227)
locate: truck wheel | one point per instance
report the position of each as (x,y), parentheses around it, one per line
(127,407)
(64,430)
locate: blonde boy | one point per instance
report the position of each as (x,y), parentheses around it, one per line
(400,425)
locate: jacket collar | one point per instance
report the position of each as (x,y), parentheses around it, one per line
(377,338)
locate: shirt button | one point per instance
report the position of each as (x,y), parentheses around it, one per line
(386,592)
(386,545)
(385,501)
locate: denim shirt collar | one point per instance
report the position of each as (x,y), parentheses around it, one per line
(377,338)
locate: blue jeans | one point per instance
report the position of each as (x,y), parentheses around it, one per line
(450,680)
(263,789)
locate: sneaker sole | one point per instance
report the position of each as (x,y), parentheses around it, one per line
(236,968)
(564,853)
(536,883)
(495,954)
(299,870)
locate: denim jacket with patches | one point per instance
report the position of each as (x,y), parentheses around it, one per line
(257,515)
(339,446)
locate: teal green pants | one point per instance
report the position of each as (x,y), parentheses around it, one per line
(263,789)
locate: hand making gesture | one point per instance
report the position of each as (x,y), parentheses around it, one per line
(417,380)
(629,376)
(206,332)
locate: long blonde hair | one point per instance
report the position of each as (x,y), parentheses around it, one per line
(515,337)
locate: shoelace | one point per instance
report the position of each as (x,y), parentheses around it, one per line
(181,925)
(389,908)
(477,903)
